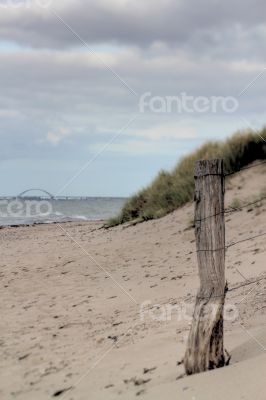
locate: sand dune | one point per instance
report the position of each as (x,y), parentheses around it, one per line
(85,311)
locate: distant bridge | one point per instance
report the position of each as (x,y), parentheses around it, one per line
(39,190)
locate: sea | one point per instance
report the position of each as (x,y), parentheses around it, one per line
(16,211)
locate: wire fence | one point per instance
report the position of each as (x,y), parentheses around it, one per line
(230,211)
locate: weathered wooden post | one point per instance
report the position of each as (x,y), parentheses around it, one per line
(205,348)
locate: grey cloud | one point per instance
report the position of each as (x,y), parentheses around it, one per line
(44,91)
(203,26)
(203,48)
(67,83)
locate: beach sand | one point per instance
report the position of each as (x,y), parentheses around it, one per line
(85,311)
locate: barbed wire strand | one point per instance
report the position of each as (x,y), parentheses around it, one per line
(230,289)
(245,284)
(243,168)
(228,245)
(231,210)
(245,240)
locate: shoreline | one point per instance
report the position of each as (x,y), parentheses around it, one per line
(84,302)
(53,223)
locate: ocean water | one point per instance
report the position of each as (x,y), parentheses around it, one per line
(32,210)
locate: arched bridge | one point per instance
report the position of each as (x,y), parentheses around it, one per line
(39,190)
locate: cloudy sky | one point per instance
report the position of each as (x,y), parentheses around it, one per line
(74,74)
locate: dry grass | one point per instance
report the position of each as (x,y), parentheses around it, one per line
(171,190)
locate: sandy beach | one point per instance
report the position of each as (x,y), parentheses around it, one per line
(85,311)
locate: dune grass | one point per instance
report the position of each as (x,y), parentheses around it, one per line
(171,190)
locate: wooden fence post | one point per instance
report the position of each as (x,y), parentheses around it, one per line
(205,348)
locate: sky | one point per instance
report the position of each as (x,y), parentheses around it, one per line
(98,96)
